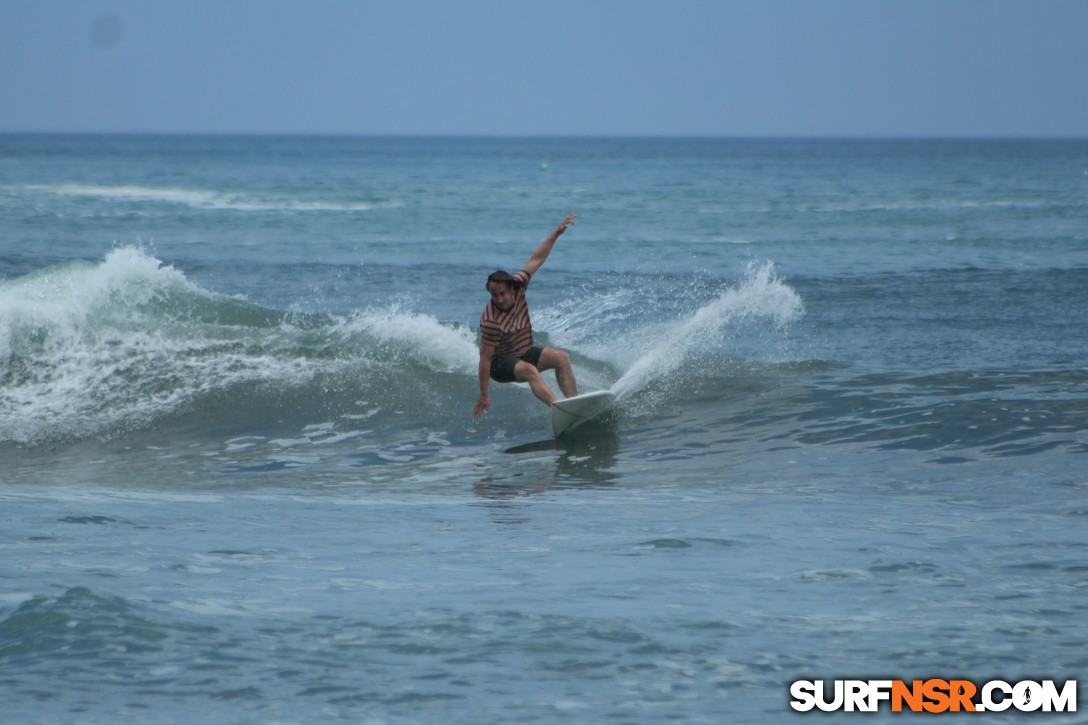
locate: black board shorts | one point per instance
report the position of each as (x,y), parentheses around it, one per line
(502,368)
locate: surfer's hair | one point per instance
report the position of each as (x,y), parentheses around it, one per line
(505,277)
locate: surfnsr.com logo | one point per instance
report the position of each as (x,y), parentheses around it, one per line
(933,695)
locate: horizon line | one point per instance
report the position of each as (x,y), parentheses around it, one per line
(558,136)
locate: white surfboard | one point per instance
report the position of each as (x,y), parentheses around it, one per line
(569,413)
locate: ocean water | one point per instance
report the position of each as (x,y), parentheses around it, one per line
(240,482)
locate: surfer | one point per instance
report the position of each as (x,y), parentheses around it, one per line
(507,352)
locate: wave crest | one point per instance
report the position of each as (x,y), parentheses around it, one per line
(99,349)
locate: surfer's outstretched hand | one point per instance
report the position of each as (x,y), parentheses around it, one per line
(482,406)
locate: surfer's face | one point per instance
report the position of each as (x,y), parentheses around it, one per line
(502,295)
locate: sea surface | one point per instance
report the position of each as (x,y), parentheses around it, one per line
(240,481)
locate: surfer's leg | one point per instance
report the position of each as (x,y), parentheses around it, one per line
(526,372)
(558,360)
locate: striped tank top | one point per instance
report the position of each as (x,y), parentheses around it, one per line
(511,332)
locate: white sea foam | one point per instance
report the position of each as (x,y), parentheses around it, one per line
(204,199)
(91,349)
(87,347)
(662,349)
(448,348)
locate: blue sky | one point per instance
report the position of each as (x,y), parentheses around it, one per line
(561,67)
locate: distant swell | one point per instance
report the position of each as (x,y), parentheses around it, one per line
(206,199)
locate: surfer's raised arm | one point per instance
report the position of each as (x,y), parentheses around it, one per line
(545,247)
